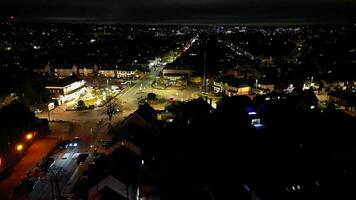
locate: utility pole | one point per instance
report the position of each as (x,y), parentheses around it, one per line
(49,117)
(204,85)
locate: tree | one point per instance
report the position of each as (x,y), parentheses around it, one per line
(151,96)
(111,109)
(81,105)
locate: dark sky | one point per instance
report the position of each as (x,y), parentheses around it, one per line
(182,11)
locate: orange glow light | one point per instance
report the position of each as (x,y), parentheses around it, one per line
(19,147)
(29,136)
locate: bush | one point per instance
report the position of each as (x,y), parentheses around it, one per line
(81,105)
(151,96)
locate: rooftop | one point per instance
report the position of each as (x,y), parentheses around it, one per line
(231,81)
(63,82)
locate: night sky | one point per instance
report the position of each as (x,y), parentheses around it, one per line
(182,11)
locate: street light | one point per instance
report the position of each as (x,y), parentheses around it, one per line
(19,147)
(29,136)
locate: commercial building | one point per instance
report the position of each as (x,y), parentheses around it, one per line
(176,75)
(66,89)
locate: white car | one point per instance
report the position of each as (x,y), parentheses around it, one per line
(37,111)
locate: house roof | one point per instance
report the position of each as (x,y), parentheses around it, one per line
(137,135)
(61,65)
(148,113)
(231,81)
(126,165)
(350,96)
(87,65)
(266,81)
(107,193)
(63,82)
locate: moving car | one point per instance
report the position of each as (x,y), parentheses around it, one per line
(75,142)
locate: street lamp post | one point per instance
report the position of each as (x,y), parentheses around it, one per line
(29,136)
(49,117)
(19,148)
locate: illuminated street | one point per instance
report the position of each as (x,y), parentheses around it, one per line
(91,127)
(36,152)
(181,100)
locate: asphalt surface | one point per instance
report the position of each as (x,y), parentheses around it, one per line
(91,127)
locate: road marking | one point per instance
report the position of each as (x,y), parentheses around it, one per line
(66,155)
(75,155)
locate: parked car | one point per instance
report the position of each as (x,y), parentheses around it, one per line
(37,111)
(47,164)
(82,157)
(27,184)
(106,144)
(63,144)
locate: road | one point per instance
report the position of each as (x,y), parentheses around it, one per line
(37,150)
(86,126)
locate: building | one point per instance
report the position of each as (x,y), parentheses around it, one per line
(265,85)
(66,89)
(231,86)
(107,73)
(176,75)
(88,70)
(44,70)
(343,99)
(125,71)
(122,180)
(65,70)
(18,129)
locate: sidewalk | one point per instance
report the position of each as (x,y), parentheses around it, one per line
(34,153)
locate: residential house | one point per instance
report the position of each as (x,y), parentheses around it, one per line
(88,70)
(231,86)
(46,69)
(122,179)
(344,99)
(65,70)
